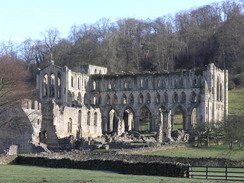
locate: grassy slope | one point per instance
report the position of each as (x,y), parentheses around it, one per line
(29,174)
(203,152)
(236,100)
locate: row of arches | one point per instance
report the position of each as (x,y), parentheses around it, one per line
(145,120)
(146,98)
(51,85)
(144,82)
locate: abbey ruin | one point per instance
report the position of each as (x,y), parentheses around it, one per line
(90,103)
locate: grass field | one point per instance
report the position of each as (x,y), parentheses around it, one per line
(32,174)
(236,100)
(203,152)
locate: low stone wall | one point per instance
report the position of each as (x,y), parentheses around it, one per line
(136,168)
(6,160)
(85,156)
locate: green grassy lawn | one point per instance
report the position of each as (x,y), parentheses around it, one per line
(202,152)
(32,174)
(236,100)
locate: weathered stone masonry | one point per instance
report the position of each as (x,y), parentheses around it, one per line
(92,102)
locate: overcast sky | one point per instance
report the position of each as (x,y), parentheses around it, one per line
(22,19)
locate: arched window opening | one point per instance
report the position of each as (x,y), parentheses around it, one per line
(181,82)
(114,84)
(73,96)
(131,99)
(88,118)
(52,86)
(70,125)
(112,121)
(125,84)
(193,97)
(144,119)
(220,93)
(165,97)
(183,97)
(59,86)
(109,85)
(148,98)
(27,105)
(175,97)
(158,83)
(108,100)
(158,98)
(95,119)
(94,87)
(124,100)
(86,101)
(45,85)
(32,104)
(78,82)
(140,99)
(176,83)
(79,119)
(79,98)
(141,83)
(128,119)
(115,101)
(72,81)
(179,119)
(194,118)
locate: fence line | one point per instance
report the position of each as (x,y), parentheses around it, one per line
(219,173)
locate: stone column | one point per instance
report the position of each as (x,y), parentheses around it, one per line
(160,126)
(48,85)
(153,123)
(137,125)
(167,125)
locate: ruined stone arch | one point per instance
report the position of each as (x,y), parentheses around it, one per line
(193,116)
(145,118)
(128,118)
(112,120)
(179,117)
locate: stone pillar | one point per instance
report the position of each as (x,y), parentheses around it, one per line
(167,125)
(104,124)
(56,86)
(153,123)
(137,125)
(160,126)
(48,85)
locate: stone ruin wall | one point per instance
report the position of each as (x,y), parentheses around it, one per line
(79,104)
